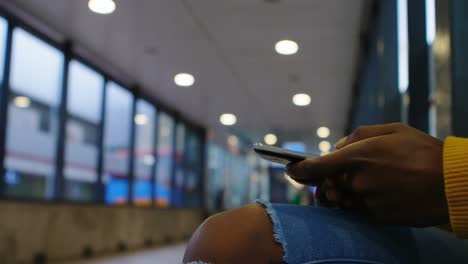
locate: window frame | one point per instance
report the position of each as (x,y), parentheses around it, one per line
(98,190)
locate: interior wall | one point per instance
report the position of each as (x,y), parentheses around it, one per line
(32,232)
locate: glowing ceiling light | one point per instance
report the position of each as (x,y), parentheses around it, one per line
(324,146)
(270,139)
(22,101)
(141,119)
(184,79)
(323,132)
(286,47)
(228,119)
(301,99)
(102,6)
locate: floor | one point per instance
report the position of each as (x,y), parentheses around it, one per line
(170,254)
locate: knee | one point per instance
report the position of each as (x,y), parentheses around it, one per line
(241,235)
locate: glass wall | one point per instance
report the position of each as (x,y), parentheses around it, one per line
(144,162)
(216,178)
(384,70)
(85,88)
(35,82)
(96,145)
(193,169)
(117,126)
(165,160)
(235,178)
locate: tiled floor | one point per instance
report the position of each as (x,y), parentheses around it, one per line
(163,255)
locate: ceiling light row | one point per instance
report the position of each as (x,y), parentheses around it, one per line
(283,47)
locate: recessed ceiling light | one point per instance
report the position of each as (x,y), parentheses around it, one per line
(184,79)
(141,119)
(228,119)
(101,6)
(323,132)
(270,139)
(324,146)
(22,102)
(301,99)
(286,47)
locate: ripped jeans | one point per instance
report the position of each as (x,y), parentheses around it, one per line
(311,235)
(318,235)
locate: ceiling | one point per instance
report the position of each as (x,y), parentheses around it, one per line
(228,47)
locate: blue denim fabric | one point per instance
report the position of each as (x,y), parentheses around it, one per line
(311,235)
(318,235)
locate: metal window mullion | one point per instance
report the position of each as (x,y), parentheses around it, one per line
(131,158)
(4,94)
(202,167)
(154,175)
(99,187)
(59,180)
(186,165)
(174,161)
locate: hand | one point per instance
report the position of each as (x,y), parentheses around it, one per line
(393,173)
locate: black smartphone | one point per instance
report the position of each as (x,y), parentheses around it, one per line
(280,155)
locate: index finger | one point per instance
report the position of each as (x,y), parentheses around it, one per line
(315,170)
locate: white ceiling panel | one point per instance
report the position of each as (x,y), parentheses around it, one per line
(228,46)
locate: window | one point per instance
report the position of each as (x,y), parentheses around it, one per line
(215,182)
(144,153)
(178,195)
(165,160)
(118,121)
(193,169)
(36,79)
(3,35)
(84,103)
(237,181)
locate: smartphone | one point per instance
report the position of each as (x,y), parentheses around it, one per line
(280,155)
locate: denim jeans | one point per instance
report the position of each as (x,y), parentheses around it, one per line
(311,235)
(318,235)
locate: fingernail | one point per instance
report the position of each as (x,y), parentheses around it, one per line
(340,143)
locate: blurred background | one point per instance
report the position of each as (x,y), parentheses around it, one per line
(124,124)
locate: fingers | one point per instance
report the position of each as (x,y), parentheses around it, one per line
(316,170)
(365,132)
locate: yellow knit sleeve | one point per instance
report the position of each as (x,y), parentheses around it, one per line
(456,183)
